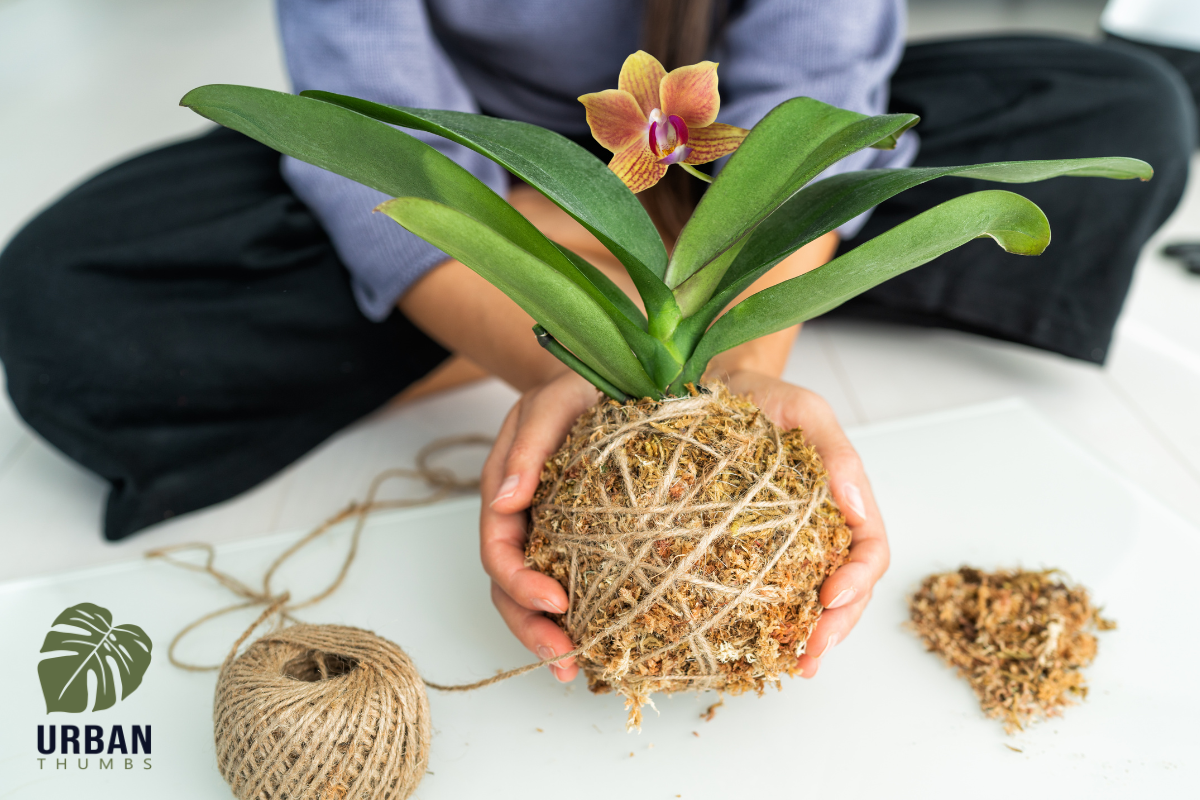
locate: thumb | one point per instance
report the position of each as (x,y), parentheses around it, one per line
(543,422)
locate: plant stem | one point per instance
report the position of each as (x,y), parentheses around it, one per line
(688,168)
(564,355)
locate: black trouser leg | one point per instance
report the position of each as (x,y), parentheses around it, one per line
(181,325)
(1026,98)
(1185,62)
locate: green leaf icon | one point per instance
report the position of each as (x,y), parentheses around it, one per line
(99,648)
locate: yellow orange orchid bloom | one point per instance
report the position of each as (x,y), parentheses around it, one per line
(657,118)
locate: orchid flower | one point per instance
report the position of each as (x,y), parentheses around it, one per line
(657,118)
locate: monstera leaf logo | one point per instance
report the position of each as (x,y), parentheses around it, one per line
(100,648)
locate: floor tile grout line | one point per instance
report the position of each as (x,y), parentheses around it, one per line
(825,341)
(14,455)
(285,492)
(1147,422)
(1161,345)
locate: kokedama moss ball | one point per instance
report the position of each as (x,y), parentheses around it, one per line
(692,536)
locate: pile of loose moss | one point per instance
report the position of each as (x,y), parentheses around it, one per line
(693,537)
(1019,638)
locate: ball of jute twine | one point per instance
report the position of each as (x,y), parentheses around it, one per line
(321,711)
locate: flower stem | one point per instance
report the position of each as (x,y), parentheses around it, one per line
(688,168)
(567,357)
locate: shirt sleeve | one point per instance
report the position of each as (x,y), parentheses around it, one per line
(842,53)
(385,52)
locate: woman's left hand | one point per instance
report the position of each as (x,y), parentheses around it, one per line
(846,592)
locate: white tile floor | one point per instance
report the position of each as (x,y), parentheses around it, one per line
(88,82)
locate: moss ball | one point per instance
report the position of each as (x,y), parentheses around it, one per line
(692,536)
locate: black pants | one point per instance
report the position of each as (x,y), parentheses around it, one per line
(181,325)
(1026,98)
(1185,62)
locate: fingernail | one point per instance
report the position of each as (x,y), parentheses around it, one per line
(542,604)
(853,497)
(559,675)
(829,643)
(844,597)
(507,489)
(545,653)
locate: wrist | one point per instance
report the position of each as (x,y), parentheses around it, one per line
(552,370)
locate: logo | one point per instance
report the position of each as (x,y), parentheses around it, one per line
(95,646)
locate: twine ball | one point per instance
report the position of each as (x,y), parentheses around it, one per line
(321,712)
(692,536)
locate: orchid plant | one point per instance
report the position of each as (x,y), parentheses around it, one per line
(763,206)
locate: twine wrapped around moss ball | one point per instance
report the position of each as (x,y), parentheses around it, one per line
(321,712)
(692,536)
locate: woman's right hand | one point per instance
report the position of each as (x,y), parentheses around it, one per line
(533,431)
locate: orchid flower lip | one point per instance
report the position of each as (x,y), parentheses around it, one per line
(680,153)
(681,128)
(667,138)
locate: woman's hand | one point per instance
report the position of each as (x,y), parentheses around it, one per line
(537,426)
(534,429)
(846,592)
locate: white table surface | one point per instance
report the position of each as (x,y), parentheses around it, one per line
(991,486)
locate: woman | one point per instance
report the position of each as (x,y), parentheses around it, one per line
(190,322)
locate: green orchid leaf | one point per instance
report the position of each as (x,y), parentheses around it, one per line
(794,143)
(889,142)
(1014,222)
(825,205)
(656,357)
(551,345)
(693,294)
(96,646)
(377,155)
(620,301)
(567,311)
(571,177)
(363,150)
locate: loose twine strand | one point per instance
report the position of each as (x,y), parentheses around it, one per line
(442,483)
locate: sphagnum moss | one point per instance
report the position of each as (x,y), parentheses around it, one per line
(1019,638)
(693,537)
